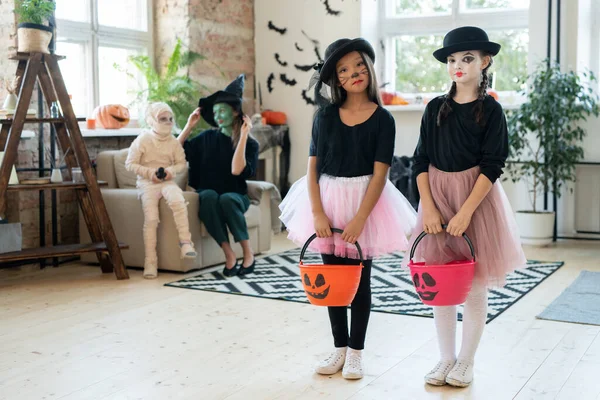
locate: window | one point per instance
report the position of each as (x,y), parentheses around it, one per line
(94,38)
(413,29)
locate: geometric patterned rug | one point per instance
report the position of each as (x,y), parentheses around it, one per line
(277,277)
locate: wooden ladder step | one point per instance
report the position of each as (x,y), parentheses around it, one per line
(58,186)
(56,251)
(35,120)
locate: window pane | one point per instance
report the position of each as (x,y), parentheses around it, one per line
(422,7)
(418,72)
(501,4)
(74,72)
(416,69)
(116,87)
(131,14)
(510,65)
(73,10)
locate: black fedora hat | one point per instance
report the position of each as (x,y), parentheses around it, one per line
(231,95)
(339,49)
(463,39)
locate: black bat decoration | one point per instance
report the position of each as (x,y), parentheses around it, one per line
(318,54)
(272,27)
(304,68)
(382,45)
(298,47)
(289,82)
(270,82)
(282,63)
(307,99)
(315,42)
(329,10)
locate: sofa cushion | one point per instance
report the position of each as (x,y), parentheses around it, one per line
(125,179)
(252,219)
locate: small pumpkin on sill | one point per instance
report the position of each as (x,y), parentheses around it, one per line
(112,116)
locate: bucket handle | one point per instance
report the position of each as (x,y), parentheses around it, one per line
(336,230)
(444,226)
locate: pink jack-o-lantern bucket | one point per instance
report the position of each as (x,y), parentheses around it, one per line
(442,284)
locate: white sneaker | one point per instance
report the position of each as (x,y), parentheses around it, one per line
(437,376)
(187,251)
(461,375)
(353,367)
(333,363)
(150,268)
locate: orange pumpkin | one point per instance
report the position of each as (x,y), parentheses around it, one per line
(112,116)
(274,117)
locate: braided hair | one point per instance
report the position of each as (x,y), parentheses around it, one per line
(445,109)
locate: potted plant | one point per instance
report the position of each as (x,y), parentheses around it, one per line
(545,138)
(33,32)
(178,90)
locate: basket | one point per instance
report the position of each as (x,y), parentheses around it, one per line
(327,284)
(442,284)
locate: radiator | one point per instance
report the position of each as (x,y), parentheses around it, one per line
(587,199)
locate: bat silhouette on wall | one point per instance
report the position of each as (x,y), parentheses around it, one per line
(298,47)
(272,27)
(329,10)
(270,82)
(318,54)
(304,68)
(289,82)
(307,99)
(314,41)
(282,63)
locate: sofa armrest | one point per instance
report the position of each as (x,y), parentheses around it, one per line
(267,197)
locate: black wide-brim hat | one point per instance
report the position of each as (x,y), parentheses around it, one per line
(231,95)
(463,39)
(338,49)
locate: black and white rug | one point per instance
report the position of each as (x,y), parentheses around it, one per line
(277,277)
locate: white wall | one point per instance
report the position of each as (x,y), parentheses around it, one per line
(297,15)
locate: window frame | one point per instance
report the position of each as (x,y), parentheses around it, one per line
(391,26)
(93,35)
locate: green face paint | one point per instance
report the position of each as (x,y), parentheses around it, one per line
(224,116)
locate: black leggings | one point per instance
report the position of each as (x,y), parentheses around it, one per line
(360,307)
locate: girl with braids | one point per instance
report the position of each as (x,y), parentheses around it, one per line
(460,155)
(346,187)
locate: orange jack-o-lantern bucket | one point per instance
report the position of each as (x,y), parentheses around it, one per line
(442,284)
(330,285)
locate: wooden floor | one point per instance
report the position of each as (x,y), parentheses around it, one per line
(73,333)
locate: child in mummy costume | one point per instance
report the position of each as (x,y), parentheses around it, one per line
(156,156)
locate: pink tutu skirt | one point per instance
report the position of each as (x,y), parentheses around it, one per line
(385,231)
(493,229)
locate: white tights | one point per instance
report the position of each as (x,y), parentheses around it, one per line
(173,194)
(474,317)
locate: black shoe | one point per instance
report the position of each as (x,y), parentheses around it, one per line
(231,272)
(247,270)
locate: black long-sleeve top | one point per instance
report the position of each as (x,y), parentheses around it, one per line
(460,143)
(351,151)
(210,155)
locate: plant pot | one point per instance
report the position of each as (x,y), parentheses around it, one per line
(33,38)
(10,103)
(536,228)
(11,237)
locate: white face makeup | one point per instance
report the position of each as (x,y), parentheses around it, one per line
(352,72)
(465,67)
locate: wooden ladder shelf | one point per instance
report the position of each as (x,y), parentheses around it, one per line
(44,68)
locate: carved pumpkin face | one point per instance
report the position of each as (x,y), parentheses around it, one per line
(317,289)
(112,116)
(426,286)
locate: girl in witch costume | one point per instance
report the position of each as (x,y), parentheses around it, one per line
(346,187)
(460,155)
(156,157)
(220,162)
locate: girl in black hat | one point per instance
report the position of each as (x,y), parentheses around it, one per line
(346,187)
(460,155)
(220,162)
